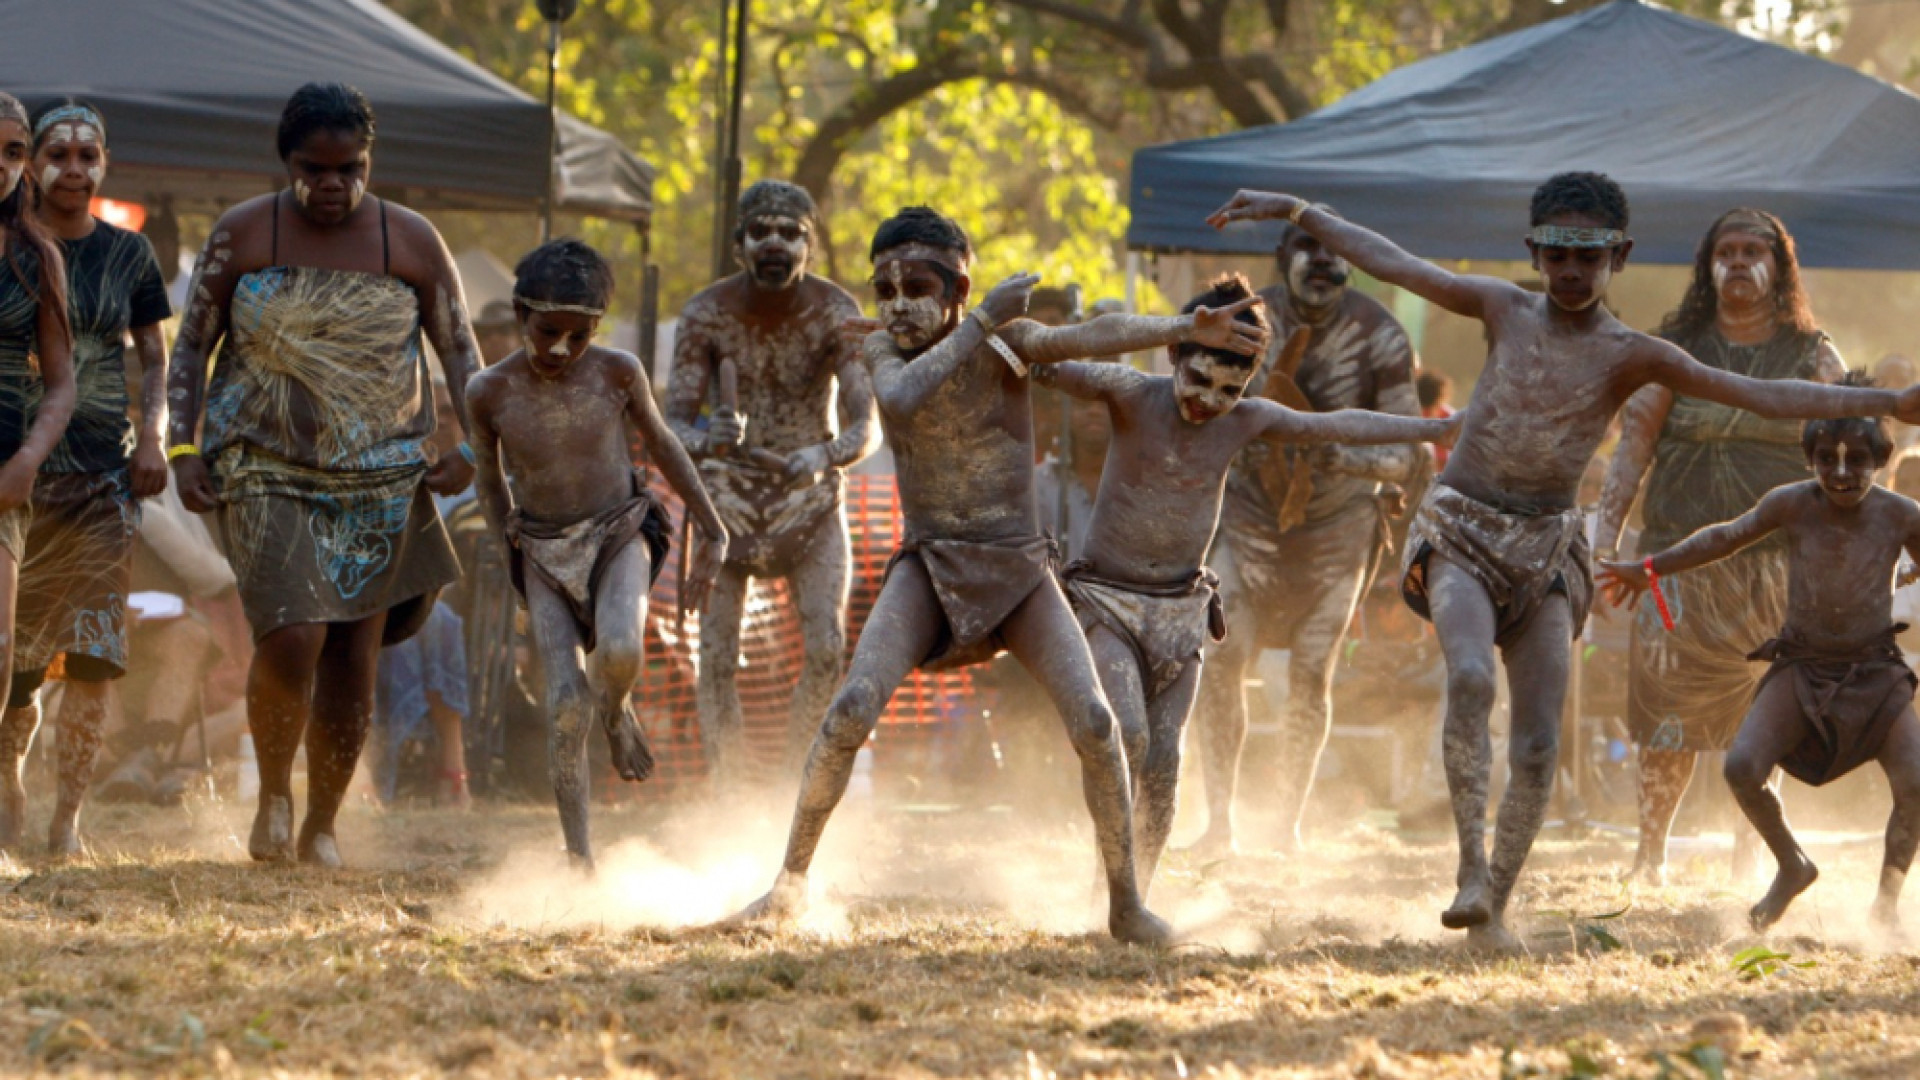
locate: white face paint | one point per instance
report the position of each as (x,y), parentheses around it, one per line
(1311,289)
(774,249)
(356,193)
(10,178)
(48,176)
(914,322)
(301,192)
(1204,388)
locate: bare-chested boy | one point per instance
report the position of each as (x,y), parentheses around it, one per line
(974,575)
(556,479)
(1839,693)
(1142,595)
(1498,554)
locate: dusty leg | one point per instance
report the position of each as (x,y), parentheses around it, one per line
(83,717)
(17,728)
(1773,727)
(572,708)
(279,702)
(1664,778)
(342,713)
(1156,786)
(1121,680)
(1900,758)
(1221,713)
(1747,845)
(1309,715)
(447,725)
(718,690)
(1045,637)
(619,656)
(902,629)
(819,585)
(1537,666)
(1463,619)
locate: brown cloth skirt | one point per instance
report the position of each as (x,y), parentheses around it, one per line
(977,584)
(572,559)
(1851,701)
(78,570)
(1521,558)
(1165,625)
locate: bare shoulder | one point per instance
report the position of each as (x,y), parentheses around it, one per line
(1788,503)
(617,366)
(408,225)
(241,234)
(708,302)
(831,296)
(485,388)
(1894,506)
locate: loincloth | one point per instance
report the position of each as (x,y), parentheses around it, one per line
(1519,558)
(1850,700)
(770,523)
(572,559)
(78,570)
(1164,625)
(331,546)
(1689,689)
(978,584)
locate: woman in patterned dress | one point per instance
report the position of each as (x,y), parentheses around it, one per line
(314,444)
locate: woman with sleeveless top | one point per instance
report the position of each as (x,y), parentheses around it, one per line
(1746,312)
(36,379)
(314,445)
(78,563)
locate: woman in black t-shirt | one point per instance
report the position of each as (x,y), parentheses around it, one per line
(75,573)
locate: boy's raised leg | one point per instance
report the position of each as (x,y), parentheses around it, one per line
(619,656)
(1044,636)
(1773,727)
(1463,618)
(1900,757)
(1156,788)
(1537,666)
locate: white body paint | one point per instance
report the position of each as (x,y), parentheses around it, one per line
(911,323)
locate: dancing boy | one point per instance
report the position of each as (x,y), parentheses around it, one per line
(551,419)
(1498,553)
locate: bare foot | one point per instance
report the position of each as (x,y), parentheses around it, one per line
(1214,844)
(453,791)
(1493,938)
(631,757)
(1648,873)
(1471,907)
(786,902)
(1138,926)
(272,837)
(1793,879)
(63,836)
(320,850)
(581,863)
(1886,918)
(13,811)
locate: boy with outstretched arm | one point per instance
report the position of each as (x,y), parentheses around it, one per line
(974,574)
(556,479)
(1498,553)
(1838,693)
(1143,597)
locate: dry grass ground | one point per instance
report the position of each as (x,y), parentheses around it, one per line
(944,947)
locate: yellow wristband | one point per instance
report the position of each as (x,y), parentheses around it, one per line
(1299,212)
(175,453)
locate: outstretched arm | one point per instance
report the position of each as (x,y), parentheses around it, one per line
(902,387)
(1094,382)
(677,466)
(1390,367)
(1116,333)
(1646,414)
(1624,579)
(1281,424)
(1782,399)
(1462,294)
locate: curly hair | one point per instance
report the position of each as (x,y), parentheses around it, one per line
(25,232)
(1230,288)
(564,270)
(1872,430)
(1700,306)
(924,225)
(1591,193)
(323,107)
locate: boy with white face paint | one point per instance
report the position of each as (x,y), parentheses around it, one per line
(1141,591)
(1301,530)
(973,575)
(1498,553)
(557,483)
(1838,692)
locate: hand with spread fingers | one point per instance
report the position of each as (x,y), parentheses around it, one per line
(1255,206)
(1622,582)
(1216,328)
(1008,300)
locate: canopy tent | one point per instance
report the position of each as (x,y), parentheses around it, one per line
(192,92)
(1691,118)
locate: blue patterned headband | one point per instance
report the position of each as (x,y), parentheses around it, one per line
(1570,236)
(70,114)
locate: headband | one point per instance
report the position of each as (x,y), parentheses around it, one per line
(1748,221)
(553,306)
(71,114)
(947,257)
(1570,236)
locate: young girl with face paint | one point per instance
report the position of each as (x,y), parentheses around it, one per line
(36,376)
(1745,312)
(317,420)
(77,568)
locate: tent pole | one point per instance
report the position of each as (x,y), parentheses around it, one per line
(553,127)
(720,113)
(649,319)
(730,174)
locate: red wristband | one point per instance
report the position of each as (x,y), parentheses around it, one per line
(1659,598)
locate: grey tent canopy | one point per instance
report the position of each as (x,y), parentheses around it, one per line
(192,92)
(1692,119)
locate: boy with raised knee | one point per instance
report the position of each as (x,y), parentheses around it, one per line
(557,481)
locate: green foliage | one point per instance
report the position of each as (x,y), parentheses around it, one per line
(1760,962)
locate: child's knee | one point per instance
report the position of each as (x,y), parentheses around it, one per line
(1470,688)
(852,716)
(1092,728)
(1534,754)
(621,661)
(1746,772)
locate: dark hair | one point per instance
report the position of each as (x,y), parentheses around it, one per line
(1590,193)
(40,114)
(323,107)
(564,271)
(765,197)
(1873,429)
(1220,292)
(923,225)
(24,230)
(1430,387)
(1700,306)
